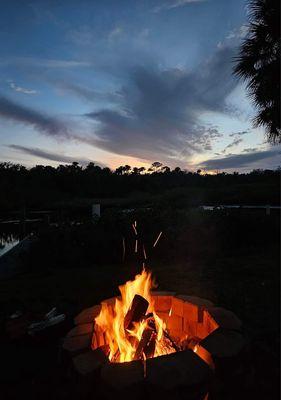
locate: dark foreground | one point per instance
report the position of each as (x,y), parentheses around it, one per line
(231,260)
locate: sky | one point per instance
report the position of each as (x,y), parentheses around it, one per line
(127,82)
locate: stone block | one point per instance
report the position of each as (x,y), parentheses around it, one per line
(82,329)
(77,344)
(224,318)
(88,315)
(90,361)
(177,306)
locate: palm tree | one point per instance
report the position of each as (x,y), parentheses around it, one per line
(258,64)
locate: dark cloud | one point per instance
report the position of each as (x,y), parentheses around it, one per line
(235,143)
(250,150)
(40,121)
(159,114)
(241,133)
(170,5)
(240,160)
(87,93)
(47,155)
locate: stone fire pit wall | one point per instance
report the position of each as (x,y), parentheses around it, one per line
(217,330)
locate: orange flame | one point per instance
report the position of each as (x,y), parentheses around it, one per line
(111,321)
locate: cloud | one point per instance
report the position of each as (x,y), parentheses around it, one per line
(238,33)
(21,89)
(47,155)
(115,33)
(82,36)
(40,121)
(44,62)
(169,5)
(159,112)
(234,37)
(240,133)
(240,160)
(235,143)
(87,93)
(250,150)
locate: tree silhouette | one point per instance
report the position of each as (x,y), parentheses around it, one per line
(258,64)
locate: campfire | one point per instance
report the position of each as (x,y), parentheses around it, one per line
(132,328)
(139,325)
(152,343)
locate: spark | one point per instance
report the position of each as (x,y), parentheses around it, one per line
(144,365)
(124,248)
(135,230)
(156,241)
(144,252)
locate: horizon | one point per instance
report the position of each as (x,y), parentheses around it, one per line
(124,82)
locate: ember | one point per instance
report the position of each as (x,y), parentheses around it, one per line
(132,328)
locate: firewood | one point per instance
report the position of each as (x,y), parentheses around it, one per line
(146,345)
(151,323)
(136,312)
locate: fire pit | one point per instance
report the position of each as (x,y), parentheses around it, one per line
(148,343)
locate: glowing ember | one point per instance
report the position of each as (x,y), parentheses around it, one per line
(124,343)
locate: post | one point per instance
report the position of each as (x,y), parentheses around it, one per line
(267,210)
(95,211)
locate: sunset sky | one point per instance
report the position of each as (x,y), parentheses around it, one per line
(127,82)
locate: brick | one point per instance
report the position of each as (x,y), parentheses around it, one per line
(81,329)
(201,331)
(94,344)
(190,311)
(111,301)
(90,361)
(77,344)
(224,343)
(199,301)
(99,336)
(162,303)
(176,370)
(121,376)
(177,307)
(190,327)
(88,315)
(162,293)
(204,355)
(209,322)
(175,322)
(177,334)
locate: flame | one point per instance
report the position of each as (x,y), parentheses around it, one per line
(111,321)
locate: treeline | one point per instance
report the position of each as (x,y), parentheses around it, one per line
(43,186)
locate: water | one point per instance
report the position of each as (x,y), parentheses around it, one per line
(11,234)
(7,242)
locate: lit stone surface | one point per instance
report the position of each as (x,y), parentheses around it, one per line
(88,315)
(82,329)
(178,369)
(120,376)
(90,361)
(224,343)
(77,344)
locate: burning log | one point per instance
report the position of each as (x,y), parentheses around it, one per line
(146,346)
(167,337)
(136,312)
